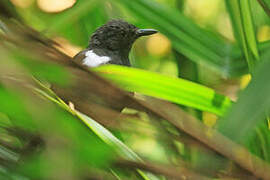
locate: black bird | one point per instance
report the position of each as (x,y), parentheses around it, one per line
(111,44)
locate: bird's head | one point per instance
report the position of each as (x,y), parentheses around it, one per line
(117,35)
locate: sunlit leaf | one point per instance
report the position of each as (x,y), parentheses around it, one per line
(176,90)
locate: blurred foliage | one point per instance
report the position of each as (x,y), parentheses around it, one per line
(61,121)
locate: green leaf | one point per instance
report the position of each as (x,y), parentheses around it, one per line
(108,137)
(244,31)
(259,143)
(111,140)
(176,90)
(251,107)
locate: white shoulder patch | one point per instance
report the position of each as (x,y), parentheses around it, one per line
(93,60)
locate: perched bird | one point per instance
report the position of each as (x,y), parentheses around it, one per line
(111,44)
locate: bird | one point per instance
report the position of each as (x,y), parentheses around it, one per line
(111,44)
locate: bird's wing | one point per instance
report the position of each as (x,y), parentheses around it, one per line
(90,59)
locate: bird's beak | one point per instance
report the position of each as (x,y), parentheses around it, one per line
(146,32)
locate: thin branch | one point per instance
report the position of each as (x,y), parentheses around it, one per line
(172,172)
(264,6)
(210,137)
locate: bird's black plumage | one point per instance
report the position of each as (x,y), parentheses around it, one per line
(113,40)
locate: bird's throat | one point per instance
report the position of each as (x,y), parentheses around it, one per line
(116,57)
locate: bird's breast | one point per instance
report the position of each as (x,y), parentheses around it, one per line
(93,60)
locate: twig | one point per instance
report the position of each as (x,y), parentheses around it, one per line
(208,136)
(172,172)
(266,9)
